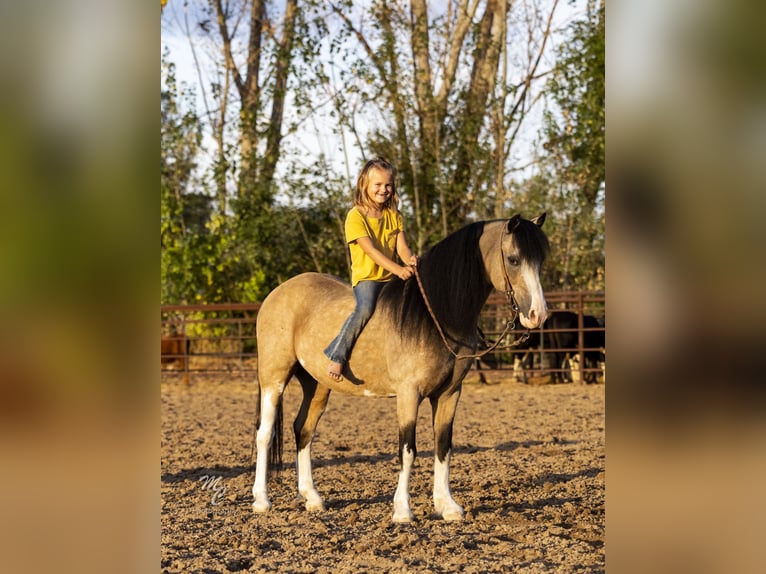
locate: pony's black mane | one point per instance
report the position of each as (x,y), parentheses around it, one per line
(455,282)
(454,279)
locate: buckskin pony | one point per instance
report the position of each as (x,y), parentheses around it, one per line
(413,347)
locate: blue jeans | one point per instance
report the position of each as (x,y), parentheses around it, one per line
(366,295)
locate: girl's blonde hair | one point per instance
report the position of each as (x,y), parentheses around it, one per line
(361,199)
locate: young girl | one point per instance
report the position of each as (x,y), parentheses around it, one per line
(374,233)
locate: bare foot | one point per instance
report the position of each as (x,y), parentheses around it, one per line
(334,371)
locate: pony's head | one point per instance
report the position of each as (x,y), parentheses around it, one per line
(513,253)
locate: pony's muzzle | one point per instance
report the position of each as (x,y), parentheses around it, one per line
(535,318)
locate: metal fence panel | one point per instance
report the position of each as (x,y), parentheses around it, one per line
(220,339)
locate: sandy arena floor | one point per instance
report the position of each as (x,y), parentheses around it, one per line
(528,467)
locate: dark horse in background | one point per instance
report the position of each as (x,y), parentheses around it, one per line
(399,353)
(560,333)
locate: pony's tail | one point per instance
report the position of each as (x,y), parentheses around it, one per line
(278,440)
(256,422)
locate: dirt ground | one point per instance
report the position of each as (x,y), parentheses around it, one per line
(528,467)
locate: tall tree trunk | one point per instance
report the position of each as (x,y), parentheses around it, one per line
(222,163)
(485,64)
(250,105)
(388,66)
(432,112)
(249,91)
(274,133)
(256,174)
(426,157)
(499,131)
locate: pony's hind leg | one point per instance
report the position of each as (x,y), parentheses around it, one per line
(270,413)
(314,402)
(444,408)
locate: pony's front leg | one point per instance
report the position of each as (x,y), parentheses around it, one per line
(407,412)
(444,408)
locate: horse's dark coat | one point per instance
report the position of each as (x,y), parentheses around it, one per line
(567,338)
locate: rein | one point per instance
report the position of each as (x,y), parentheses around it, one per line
(509,325)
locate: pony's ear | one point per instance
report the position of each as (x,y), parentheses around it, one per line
(539,220)
(513,222)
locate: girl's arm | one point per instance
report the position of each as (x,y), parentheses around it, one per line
(404,250)
(377,256)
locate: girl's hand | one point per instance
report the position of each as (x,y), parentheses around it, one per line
(413,261)
(404,273)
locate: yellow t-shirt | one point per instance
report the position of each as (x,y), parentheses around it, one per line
(383,232)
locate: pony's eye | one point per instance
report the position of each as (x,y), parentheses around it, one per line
(513,260)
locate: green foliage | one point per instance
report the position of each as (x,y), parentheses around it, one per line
(576,135)
(200,250)
(180,219)
(573,179)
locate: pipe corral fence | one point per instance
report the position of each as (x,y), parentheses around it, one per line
(219,339)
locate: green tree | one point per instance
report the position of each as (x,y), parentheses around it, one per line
(243,53)
(182,212)
(257,56)
(318,203)
(198,246)
(257,43)
(576,134)
(574,137)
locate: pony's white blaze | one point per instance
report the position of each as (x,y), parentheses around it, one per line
(538,308)
(444,504)
(402,512)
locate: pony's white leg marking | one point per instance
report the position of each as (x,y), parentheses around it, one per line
(306,488)
(402,512)
(263,441)
(444,504)
(574,368)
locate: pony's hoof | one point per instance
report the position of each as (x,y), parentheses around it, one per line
(261,506)
(315,506)
(453,515)
(452,512)
(311,501)
(403,517)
